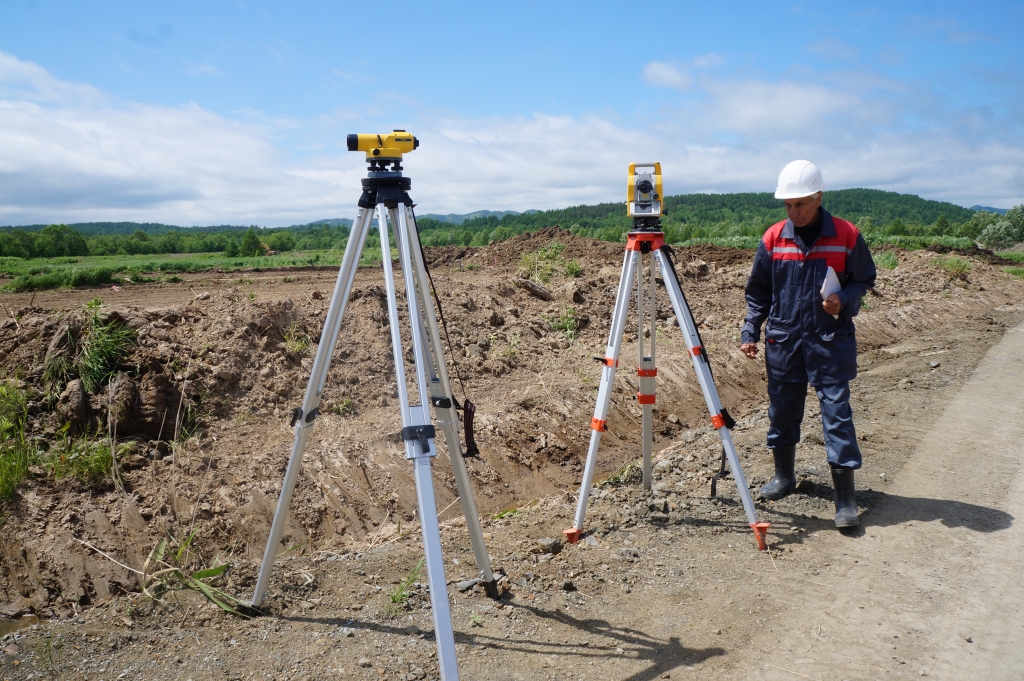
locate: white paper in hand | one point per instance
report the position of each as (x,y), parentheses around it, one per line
(830,286)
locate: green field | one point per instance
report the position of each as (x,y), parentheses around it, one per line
(36,257)
(30,274)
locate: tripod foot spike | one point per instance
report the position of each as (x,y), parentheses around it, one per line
(492,590)
(572,535)
(760,531)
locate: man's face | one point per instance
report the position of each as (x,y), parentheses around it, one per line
(801,211)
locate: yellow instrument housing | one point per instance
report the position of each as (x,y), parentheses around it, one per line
(644,203)
(385,146)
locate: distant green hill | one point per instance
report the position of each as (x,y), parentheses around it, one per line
(702,216)
(990,209)
(459,218)
(731,219)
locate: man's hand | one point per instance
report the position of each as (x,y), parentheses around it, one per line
(832,304)
(749,349)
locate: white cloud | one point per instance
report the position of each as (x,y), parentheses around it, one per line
(677,75)
(833,48)
(668,75)
(194,69)
(70,153)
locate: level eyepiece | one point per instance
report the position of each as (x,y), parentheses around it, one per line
(383,146)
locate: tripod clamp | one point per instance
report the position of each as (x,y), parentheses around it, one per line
(424,434)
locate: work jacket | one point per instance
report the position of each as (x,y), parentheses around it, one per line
(802,342)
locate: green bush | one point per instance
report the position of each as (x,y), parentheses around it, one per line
(47,278)
(1002,234)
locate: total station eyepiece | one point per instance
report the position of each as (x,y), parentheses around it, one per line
(643,191)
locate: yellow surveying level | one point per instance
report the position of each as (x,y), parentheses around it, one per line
(643,190)
(390,145)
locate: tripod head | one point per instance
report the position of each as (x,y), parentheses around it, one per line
(643,196)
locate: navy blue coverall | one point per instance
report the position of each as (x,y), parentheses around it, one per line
(804,344)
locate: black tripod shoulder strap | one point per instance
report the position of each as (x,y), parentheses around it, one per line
(730,422)
(467,407)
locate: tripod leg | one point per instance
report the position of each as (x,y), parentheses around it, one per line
(305,416)
(646,370)
(418,434)
(442,397)
(598,423)
(707,385)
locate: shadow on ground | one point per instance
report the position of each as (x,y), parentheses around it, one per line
(663,655)
(892,509)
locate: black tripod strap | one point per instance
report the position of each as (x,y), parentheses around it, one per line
(730,423)
(467,407)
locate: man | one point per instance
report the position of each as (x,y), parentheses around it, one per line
(809,340)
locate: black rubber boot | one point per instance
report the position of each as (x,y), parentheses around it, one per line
(846,497)
(784,481)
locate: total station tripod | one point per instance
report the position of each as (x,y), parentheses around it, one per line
(645,207)
(385,194)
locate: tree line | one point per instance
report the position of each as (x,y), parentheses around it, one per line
(689,216)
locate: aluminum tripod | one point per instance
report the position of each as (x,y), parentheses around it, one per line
(649,240)
(385,195)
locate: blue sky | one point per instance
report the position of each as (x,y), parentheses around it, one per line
(202,113)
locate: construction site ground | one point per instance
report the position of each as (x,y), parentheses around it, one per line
(664,584)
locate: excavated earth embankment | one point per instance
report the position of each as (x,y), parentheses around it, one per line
(221,361)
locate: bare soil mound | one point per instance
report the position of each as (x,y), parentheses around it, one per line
(222,361)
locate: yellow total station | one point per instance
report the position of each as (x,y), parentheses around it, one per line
(387,146)
(643,190)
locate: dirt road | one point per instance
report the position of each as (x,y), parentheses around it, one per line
(932,586)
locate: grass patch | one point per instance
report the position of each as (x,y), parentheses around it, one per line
(15,454)
(93,354)
(954,265)
(79,458)
(399,596)
(917,242)
(344,408)
(1016,256)
(1015,271)
(172,561)
(542,264)
(886,260)
(745,242)
(626,474)
(507,513)
(296,340)
(573,269)
(566,322)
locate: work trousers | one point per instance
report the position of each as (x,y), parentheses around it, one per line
(786,411)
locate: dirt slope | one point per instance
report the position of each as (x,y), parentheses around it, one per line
(658,576)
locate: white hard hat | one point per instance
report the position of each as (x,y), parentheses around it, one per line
(799,179)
